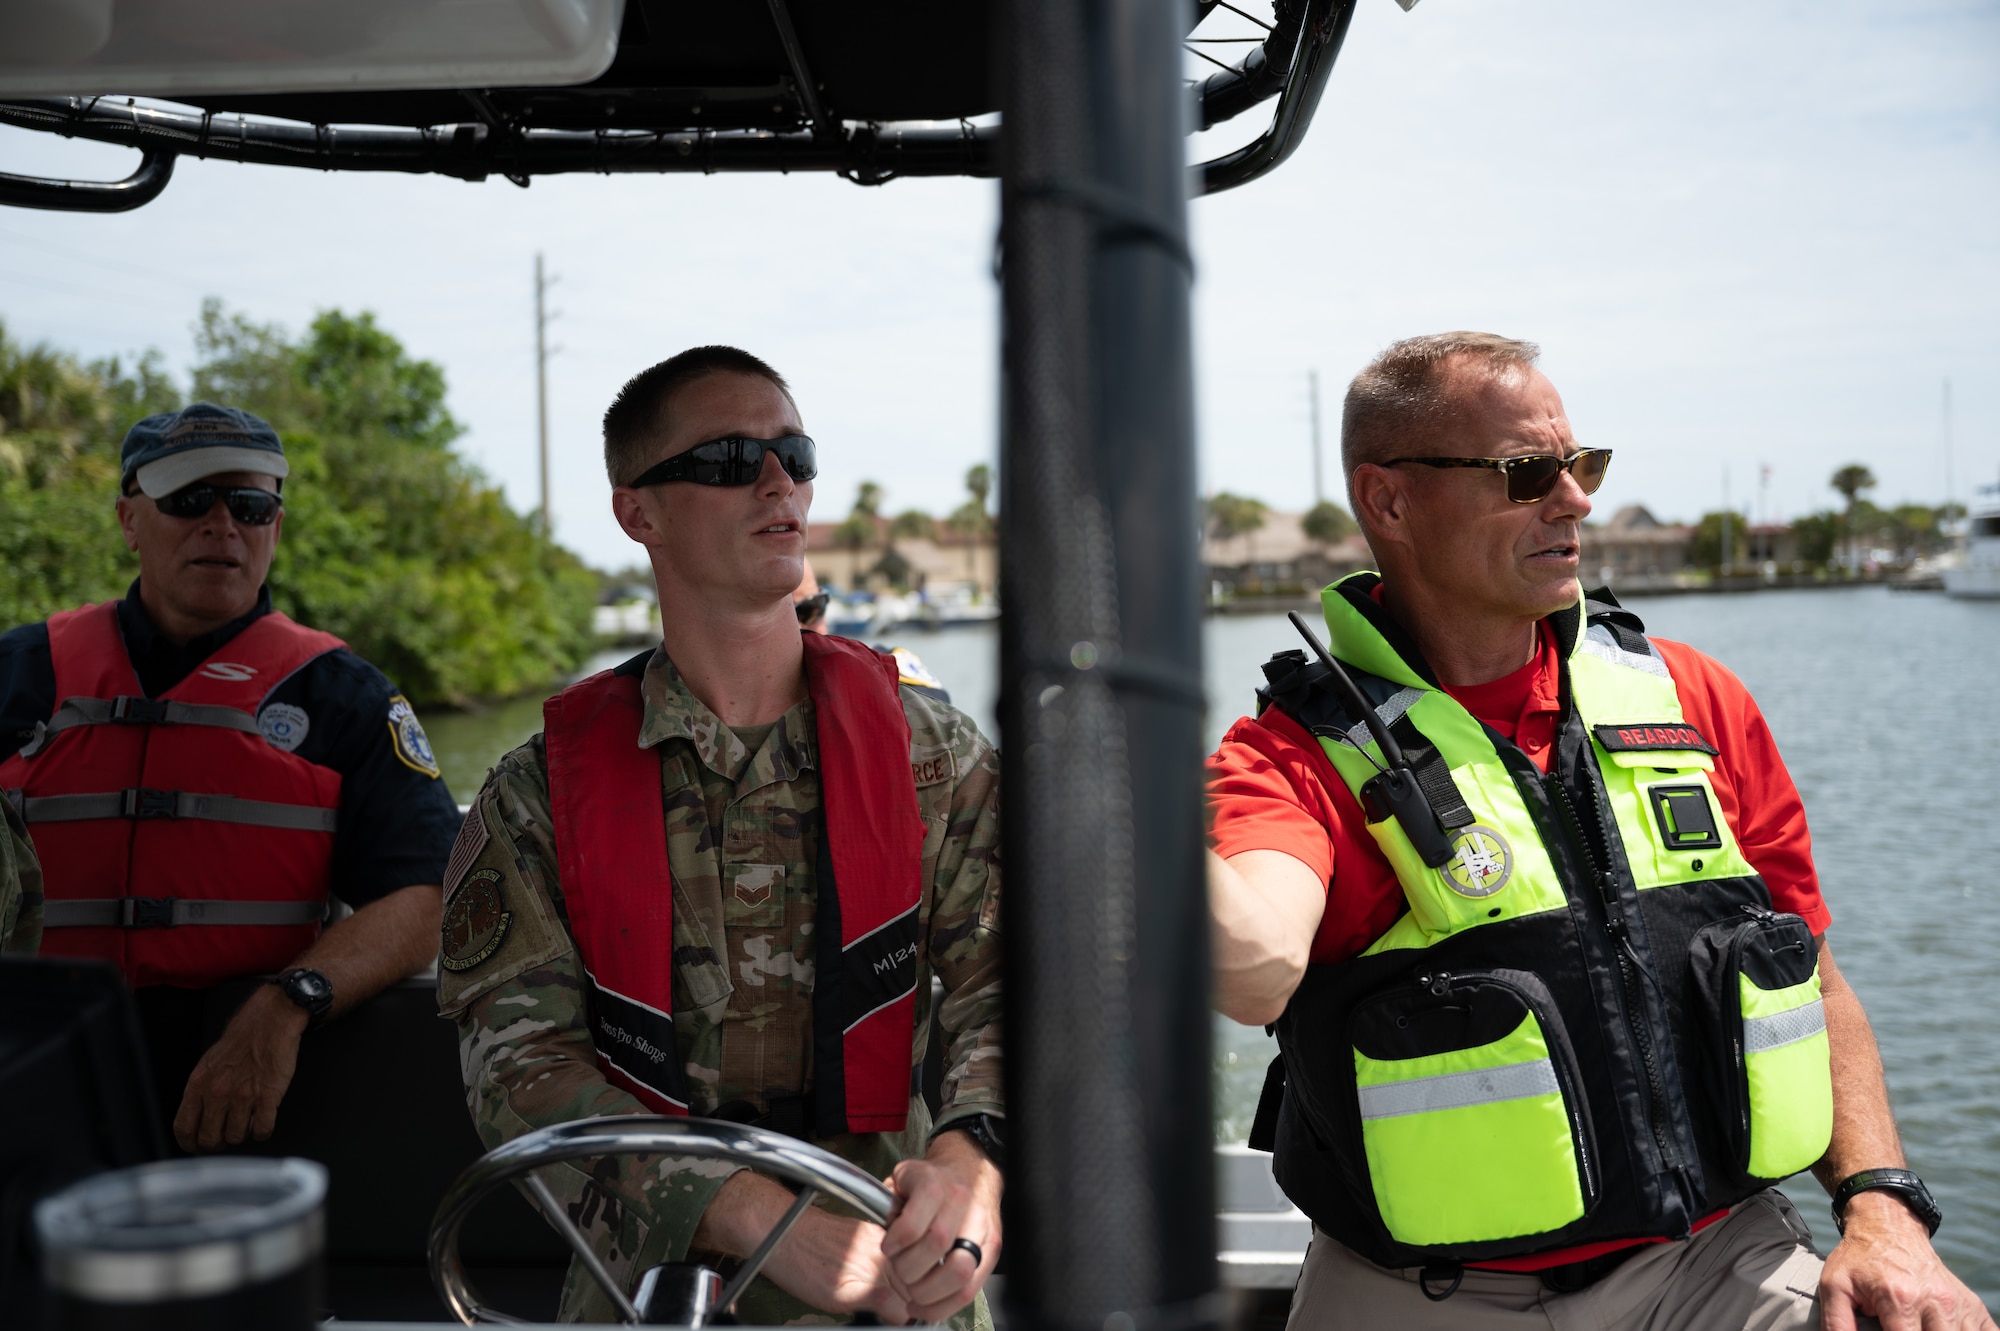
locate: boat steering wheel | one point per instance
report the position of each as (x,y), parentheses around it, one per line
(679,1294)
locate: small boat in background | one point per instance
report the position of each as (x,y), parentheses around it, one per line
(1976,574)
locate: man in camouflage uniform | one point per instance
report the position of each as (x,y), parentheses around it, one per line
(726,708)
(20,887)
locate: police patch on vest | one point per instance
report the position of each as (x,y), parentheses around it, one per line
(1481,862)
(406,734)
(475,922)
(1653,737)
(284,725)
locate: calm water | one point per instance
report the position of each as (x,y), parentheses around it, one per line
(1884,706)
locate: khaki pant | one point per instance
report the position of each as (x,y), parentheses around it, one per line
(1755,1269)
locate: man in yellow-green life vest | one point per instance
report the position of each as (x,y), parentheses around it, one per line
(1529,897)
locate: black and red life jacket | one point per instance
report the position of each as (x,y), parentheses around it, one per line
(154,815)
(606,799)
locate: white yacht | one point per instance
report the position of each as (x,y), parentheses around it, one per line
(1977,572)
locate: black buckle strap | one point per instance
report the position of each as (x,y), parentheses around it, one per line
(790,1114)
(146,912)
(131,711)
(143,803)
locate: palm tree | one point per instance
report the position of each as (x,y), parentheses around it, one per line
(970,518)
(1851,480)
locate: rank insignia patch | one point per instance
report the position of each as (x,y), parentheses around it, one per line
(1481,862)
(475,922)
(406,734)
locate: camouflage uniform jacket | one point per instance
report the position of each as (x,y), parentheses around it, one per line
(20,886)
(740,846)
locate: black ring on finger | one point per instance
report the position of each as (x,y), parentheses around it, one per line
(967,1246)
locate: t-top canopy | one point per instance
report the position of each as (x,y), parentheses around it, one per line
(872,89)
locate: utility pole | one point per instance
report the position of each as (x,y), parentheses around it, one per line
(1949,497)
(1728,555)
(1319,470)
(542,318)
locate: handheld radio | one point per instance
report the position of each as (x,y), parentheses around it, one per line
(1395,791)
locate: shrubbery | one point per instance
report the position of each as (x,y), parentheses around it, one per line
(391,541)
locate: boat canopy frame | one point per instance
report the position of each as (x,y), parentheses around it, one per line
(691,129)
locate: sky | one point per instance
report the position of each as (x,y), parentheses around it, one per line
(1747,237)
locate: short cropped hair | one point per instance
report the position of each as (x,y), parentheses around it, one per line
(637,417)
(1399,400)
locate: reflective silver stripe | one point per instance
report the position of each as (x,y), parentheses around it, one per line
(1601,643)
(1390,713)
(1763,1034)
(128,710)
(162,912)
(176,804)
(1456,1090)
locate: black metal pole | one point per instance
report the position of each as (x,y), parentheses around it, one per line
(1110,1197)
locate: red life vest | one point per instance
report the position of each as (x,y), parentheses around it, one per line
(611,850)
(150,814)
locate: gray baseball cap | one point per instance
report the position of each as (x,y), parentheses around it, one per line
(178,448)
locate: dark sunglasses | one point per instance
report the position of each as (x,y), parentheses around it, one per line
(734,462)
(250,506)
(1531,479)
(812,607)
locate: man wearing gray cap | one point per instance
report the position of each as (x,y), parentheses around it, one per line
(199,775)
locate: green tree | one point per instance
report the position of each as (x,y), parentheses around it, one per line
(1851,480)
(1234,515)
(912,524)
(1705,550)
(61,424)
(859,529)
(971,518)
(1817,535)
(1327,522)
(391,541)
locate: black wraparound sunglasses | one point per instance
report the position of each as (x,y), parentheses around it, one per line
(734,462)
(250,506)
(1532,478)
(812,607)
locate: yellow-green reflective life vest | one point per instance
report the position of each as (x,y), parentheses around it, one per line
(1589,1024)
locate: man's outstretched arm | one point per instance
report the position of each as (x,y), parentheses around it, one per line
(1885,1266)
(1264,908)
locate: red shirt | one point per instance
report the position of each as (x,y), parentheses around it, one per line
(1271,788)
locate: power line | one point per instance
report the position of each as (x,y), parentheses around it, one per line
(109,265)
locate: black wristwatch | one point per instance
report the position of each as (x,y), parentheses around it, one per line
(1907,1186)
(310,990)
(984,1129)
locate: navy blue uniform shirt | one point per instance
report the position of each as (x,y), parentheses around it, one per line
(397,820)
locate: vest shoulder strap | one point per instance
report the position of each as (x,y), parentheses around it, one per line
(88,653)
(609,822)
(1304,690)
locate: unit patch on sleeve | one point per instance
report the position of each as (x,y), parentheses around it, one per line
(1650,737)
(406,734)
(476,922)
(284,725)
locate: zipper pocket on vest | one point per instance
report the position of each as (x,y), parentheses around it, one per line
(1756,980)
(1470,1110)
